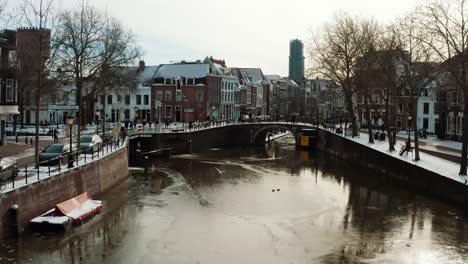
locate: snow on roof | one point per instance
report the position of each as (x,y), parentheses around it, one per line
(183,70)
(148,73)
(272,77)
(255,73)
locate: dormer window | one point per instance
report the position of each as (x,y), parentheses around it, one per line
(190,81)
(168,81)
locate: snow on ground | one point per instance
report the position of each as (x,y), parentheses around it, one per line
(441,166)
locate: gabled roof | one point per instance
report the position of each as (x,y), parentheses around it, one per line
(255,74)
(197,70)
(148,73)
(272,77)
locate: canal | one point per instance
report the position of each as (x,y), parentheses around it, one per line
(265,205)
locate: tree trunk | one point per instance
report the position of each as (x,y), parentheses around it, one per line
(416,134)
(368,118)
(36,143)
(79,86)
(464,153)
(352,117)
(391,143)
(103,114)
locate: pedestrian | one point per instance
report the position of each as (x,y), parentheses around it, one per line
(55,132)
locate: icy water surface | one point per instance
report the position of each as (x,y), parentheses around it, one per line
(269,205)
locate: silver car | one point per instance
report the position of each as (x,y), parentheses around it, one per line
(8,168)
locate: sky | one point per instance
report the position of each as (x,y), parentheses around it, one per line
(246,33)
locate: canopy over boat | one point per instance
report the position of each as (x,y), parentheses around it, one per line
(78,207)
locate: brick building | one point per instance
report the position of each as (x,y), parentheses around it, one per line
(8,81)
(186,91)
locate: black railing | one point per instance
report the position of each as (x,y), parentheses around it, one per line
(47,168)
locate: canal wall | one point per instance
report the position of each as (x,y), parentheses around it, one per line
(394,170)
(36,198)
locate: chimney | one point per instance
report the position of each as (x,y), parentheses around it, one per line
(141,66)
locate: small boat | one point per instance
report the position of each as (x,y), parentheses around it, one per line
(67,213)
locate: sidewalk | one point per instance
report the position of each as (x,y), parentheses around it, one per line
(445,149)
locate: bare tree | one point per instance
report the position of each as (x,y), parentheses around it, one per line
(34,57)
(88,44)
(417,69)
(336,49)
(447,23)
(7,15)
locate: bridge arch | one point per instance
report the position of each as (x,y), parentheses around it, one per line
(260,134)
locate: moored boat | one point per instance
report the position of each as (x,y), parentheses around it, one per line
(67,213)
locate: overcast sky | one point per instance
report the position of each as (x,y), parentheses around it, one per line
(246,33)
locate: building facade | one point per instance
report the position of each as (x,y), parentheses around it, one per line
(8,81)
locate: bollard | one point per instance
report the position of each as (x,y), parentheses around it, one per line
(26,173)
(38,177)
(26,140)
(49,167)
(13,181)
(59,162)
(32,142)
(146,170)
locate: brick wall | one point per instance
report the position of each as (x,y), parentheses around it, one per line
(35,199)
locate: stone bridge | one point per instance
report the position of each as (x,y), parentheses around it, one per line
(208,136)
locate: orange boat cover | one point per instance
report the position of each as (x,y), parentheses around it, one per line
(70,207)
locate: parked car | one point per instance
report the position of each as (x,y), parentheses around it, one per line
(90,144)
(8,168)
(107,138)
(244,118)
(55,153)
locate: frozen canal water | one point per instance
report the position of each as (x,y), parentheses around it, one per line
(220,207)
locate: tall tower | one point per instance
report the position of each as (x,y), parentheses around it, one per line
(296,60)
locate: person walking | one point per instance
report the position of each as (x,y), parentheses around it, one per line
(55,136)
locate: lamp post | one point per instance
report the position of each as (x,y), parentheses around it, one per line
(409,130)
(98,113)
(70,121)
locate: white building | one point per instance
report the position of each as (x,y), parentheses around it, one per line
(427,119)
(129,105)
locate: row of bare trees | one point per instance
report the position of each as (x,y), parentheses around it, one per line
(82,46)
(384,63)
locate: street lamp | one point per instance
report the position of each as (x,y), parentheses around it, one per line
(97,121)
(70,121)
(409,130)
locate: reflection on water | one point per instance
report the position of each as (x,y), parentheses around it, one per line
(219,207)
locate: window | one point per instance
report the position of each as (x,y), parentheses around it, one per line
(127,113)
(178,84)
(146,99)
(426,108)
(168,111)
(190,81)
(109,99)
(127,99)
(168,81)
(200,97)
(159,96)
(178,108)
(138,99)
(179,95)
(398,122)
(119,98)
(9,90)
(425,123)
(454,97)
(168,95)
